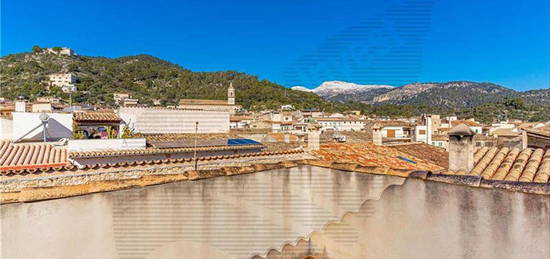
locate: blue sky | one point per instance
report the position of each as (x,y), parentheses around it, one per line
(303,42)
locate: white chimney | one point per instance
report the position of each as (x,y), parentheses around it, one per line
(377,134)
(20,106)
(461,149)
(429,129)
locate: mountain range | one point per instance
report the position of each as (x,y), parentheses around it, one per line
(344,91)
(456,94)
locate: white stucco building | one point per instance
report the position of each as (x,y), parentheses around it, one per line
(62,51)
(66,81)
(340,123)
(163,121)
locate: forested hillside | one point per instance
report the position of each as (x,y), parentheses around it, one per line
(143,76)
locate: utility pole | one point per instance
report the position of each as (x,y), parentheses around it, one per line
(195,153)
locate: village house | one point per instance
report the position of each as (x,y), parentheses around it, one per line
(396,129)
(340,123)
(66,81)
(473,125)
(125,99)
(240,121)
(311,113)
(102,124)
(47,99)
(120,97)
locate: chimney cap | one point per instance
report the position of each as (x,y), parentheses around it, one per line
(461,130)
(376,126)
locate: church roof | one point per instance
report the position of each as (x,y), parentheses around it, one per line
(202,102)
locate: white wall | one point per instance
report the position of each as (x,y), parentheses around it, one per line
(105,144)
(398,131)
(60,125)
(158,121)
(342,125)
(6,126)
(421,137)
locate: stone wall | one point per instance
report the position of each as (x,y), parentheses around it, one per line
(111,174)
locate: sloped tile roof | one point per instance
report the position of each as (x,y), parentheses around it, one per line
(23,156)
(153,151)
(465,122)
(528,165)
(62,168)
(96,117)
(368,154)
(433,154)
(203,102)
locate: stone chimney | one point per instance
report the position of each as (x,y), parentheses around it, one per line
(429,129)
(524,139)
(461,149)
(313,142)
(377,134)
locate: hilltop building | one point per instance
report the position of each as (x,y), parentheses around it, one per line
(125,99)
(61,51)
(213,105)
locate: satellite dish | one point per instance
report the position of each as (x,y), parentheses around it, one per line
(44,118)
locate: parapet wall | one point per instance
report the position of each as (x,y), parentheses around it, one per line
(184,170)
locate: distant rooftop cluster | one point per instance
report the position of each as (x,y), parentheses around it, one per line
(47,136)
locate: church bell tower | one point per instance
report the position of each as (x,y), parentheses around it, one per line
(231,94)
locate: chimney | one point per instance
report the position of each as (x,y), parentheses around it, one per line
(524,139)
(313,140)
(429,129)
(377,134)
(20,106)
(461,149)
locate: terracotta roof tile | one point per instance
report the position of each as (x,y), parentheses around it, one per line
(21,156)
(528,165)
(368,154)
(152,151)
(465,122)
(433,154)
(96,117)
(202,102)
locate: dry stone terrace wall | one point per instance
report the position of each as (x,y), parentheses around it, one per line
(109,174)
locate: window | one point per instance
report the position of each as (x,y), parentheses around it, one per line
(391,133)
(422,132)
